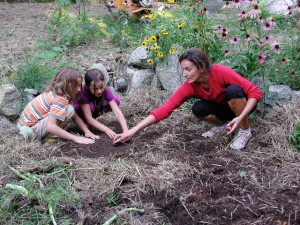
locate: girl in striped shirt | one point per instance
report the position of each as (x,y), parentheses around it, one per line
(48,114)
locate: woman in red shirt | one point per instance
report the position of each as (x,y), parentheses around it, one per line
(224,96)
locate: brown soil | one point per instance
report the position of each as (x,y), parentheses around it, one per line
(168,169)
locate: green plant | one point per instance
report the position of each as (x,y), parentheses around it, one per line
(180,29)
(33,201)
(295,137)
(32,74)
(112,198)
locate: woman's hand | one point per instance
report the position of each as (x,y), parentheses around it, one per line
(126,136)
(232,125)
(110,133)
(89,134)
(83,140)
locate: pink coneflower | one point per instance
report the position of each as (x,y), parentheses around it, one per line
(262,58)
(276,47)
(226,5)
(298,7)
(225,30)
(236,4)
(249,2)
(267,26)
(260,20)
(111,3)
(267,39)
(227,52)
(292,73)
(203,11)
(283,61)
(242,15)
(255,11)
(248,37)
(223,35)
(56,40)
(260,43)
(127,3)
(204,22)
(218,28)
(234,40)
(271,21)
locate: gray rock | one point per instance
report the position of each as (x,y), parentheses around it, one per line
(169,73)
(10,101)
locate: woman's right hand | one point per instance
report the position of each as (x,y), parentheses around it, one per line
(126,136)
(83,140)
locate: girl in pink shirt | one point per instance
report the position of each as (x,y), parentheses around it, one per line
(96,99)
(224,96)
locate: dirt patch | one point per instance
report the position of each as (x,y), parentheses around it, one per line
(168,170)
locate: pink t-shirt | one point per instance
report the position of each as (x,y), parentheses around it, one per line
(219,79)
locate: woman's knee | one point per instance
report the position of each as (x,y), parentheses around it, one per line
(200,109)
(234,92)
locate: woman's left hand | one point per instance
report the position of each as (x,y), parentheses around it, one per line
(232,125)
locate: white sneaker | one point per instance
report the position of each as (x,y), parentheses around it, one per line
(241,139)
(214,131)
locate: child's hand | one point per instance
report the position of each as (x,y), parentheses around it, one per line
(110,133)
(126,136)
(89,134)
(84,140)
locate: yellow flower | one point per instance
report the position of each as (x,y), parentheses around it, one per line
(180,25)
(146,40)
(171,51)
(162,30)
(153,16)
(163,14)
(165,33)
(150,61)
(144,44)
(153,38)
(171,1)
(160,54)
(154,46)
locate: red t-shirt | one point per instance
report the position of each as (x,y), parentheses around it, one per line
(219,79)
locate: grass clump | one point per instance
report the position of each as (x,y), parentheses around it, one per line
(37,199)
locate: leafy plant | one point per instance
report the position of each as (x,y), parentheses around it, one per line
(295,137)
(31,201)
(112,198)
(32,75)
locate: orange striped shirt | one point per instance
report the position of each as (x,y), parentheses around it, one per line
(43,105)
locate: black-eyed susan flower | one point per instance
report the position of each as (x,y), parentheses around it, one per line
(171,51)
(165,33)
(180,25)
(153,38)
(160,54)
(153,47)
(171,1)
(144,45)
(150,61)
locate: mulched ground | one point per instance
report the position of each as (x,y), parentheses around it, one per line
(224,187)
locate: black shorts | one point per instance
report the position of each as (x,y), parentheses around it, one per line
(203,108)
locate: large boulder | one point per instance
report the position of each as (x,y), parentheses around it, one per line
(10,101)
(141,78)
(138,58)
(169,73)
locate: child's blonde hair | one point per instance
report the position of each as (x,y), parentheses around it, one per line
(65,83)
